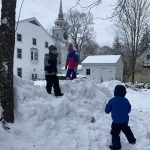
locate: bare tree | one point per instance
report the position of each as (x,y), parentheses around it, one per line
(105,50)
(79,28)
(132,17)
(90,47)
(95,3)
(7,41)
(117,46)
(90,6)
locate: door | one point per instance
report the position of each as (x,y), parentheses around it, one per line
(106,75)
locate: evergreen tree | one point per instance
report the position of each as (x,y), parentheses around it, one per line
(117,46)
(145,41)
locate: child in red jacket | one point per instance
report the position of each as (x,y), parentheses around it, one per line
(71,63)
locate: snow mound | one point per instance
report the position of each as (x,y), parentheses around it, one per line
(75,121)
(81,98)
(38,114)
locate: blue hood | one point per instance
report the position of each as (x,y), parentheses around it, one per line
(120,90)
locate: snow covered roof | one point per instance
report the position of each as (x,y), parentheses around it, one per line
(106,59)
(32,20)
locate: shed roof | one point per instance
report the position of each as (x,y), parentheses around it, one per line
(106,59)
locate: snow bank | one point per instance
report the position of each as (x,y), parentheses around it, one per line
(75,121)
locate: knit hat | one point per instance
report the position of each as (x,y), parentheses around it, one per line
(120,90)
(70,47)
(51,48)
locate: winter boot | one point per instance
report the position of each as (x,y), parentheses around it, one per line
(60,94)
(133,142)
(112,148)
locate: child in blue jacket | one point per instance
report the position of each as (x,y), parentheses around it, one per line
(119,107)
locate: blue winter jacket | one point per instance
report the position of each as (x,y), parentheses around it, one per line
(119,108)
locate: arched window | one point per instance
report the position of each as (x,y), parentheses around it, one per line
(34,54)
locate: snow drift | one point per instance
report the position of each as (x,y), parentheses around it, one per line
(75,121)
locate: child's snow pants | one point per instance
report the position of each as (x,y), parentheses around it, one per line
(115,131)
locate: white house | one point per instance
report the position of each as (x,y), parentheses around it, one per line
(103,67)
(142,73)
(31,44)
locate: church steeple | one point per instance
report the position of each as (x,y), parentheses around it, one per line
(59,35)
(60,15)
(60,23)
(59,31)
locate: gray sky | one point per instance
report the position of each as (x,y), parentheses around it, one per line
(46,12)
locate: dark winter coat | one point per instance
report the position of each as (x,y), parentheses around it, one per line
(50,64)
(119,106)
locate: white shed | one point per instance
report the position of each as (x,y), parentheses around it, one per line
(103,67)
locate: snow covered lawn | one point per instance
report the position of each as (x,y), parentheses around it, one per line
(75,121)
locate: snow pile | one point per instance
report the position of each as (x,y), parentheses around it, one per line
(75,121)
(80,95)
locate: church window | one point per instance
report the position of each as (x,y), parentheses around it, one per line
(19,53)
(34,76)
(19,72)
(31,55)
(34,41)
(46,44)
(34,54)
(19,37)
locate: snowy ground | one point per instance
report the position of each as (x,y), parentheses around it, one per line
(44,122)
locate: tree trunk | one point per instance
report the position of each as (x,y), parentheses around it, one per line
(7,42)
(133,69)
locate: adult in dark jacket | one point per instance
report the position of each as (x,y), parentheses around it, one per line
(119,107)
(50,67)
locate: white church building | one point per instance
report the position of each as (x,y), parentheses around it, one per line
(31,45)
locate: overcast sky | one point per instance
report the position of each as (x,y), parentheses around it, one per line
(46,12)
